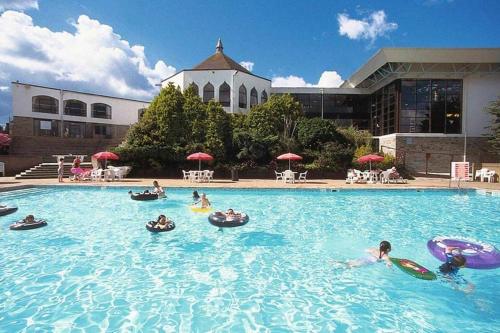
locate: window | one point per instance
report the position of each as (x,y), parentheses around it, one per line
(242,97)
(102,131)
(195,88)
(45,127)
(45,104)
(101,110)
(254,98)
(73,130)
(208,92)
(140,113)
(225,94)
(73,107)
(263,97)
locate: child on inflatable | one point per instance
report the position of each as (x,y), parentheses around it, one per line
(449,270)
(30,219)
(159,190)
(205,203)
(196,197)
(163,222)
(373,255)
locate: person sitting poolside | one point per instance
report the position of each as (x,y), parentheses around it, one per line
(159,190)
(163,222)
(450,269)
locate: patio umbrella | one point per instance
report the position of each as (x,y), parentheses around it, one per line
(105,155)
(4,139)
(289,157)
(200,157)
(370,158)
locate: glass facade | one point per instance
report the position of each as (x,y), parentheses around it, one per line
(384,110)
(45,104)
(345,109)
(73,129)
(102,131)
(45,127)
(101,110)
(73,107)
(430,106)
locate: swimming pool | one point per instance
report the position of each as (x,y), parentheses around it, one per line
(95,266)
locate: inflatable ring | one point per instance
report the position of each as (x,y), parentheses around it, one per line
(21,225)
(7,210)
(478,255)
(219,220)
(200,209)
(150,226)
(144,196)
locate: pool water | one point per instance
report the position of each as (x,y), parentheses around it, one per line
(96,268)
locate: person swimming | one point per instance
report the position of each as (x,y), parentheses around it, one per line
(373,255)
(163,222)
(159,190)
(196,197)
(205,203)
(449,271)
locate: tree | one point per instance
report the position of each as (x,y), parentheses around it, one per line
(263,122)
(219,136)
(196,115)
(163,123)
(494,136)
(287,110)
(355,136)
(312,132)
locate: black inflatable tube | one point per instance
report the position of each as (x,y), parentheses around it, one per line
(20,225)
(7,210)
(150,227)
(144,196)
(221,222)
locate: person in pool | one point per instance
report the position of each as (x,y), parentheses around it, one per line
(196,197)
(373,255)
(163,222)
(449,271)
(205,203)
(158,190)
(30,219)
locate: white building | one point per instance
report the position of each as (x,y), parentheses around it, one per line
(221,78)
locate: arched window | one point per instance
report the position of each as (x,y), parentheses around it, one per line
(101,110)
(254,98)
(45,104)
(243,97)
(225,94)
(208,92)
(195,88)
(74,107)
(263,97)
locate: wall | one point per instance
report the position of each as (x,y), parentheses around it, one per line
(479,91)
(15,164)
(123,111)
(217,77)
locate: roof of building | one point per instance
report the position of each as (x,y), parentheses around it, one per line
(219,60)
(392,61)
(78,92)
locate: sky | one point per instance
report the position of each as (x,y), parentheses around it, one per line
(124,48)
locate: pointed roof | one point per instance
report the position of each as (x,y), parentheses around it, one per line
(220,61)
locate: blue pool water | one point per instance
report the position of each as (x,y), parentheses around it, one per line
(96,268)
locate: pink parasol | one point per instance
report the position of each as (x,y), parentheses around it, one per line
(289,157)
(200,157)
(370,158)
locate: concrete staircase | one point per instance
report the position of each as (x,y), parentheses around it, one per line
(49,170)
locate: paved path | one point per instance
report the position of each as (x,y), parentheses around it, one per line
(7,183)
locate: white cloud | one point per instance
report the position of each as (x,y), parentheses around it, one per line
(369,28)
(247,64)
(328,79)
(18,4)
(91,58)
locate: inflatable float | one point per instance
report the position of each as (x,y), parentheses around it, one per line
(143,196)
(414,269)
(478,255)
(7,210)
(197,209)
(151,227)
(222,221)
(21,225)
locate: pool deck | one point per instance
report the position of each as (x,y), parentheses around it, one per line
(9,183)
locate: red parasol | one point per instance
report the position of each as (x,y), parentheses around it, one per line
(200,157)
(370,158)
(105,155)
(4,139)
(289,157)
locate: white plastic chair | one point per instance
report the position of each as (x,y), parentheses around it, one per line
(109,174)
(279,175)
(289,176)
(96,174)
(490,175)
(209,175)
(2,168)
(303,177)
(185,175)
